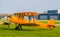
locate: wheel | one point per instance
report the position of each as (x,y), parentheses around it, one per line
(19,27)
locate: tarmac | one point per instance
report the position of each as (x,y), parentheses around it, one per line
(57,24)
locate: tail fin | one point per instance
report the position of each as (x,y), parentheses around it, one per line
(51,22)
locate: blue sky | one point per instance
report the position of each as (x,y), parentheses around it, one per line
(39,6)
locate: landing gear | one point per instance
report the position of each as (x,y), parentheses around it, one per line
(6,23)
(19,27)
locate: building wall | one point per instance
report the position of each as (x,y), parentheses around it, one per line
(43,16)
(48,16)
(58,16)
(54,16)
(52,11)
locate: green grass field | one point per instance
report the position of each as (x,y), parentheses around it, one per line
(29,31)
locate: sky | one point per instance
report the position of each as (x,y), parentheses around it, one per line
(39,6)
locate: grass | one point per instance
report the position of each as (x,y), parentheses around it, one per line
(28,32)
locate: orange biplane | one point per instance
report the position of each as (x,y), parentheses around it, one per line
(18,18)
